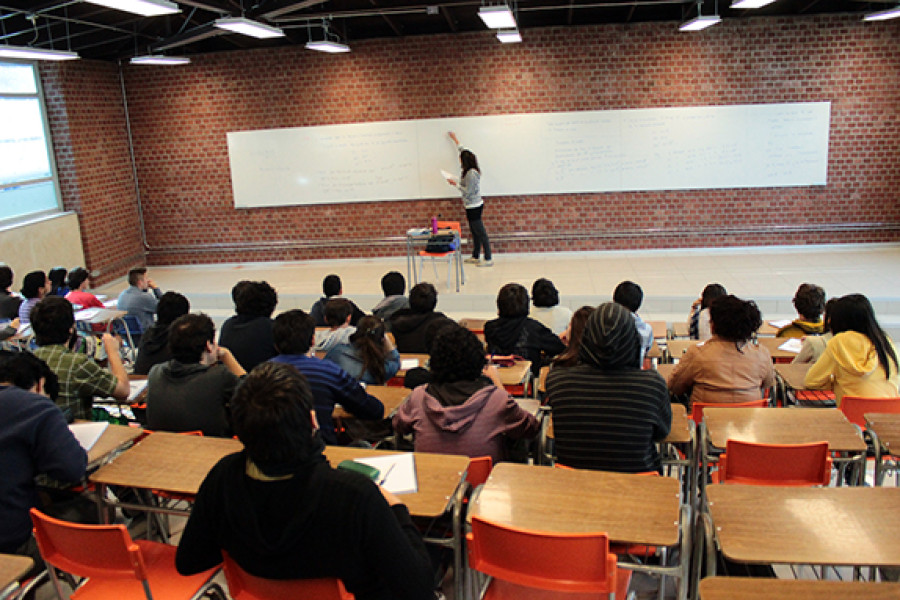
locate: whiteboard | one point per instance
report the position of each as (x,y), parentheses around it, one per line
(703,147)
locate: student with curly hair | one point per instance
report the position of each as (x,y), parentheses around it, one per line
(727,368)
(368,355)
(809,302)
(248,334)
(465,409)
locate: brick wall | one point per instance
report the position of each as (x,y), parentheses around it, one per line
(180,117)
(87,122)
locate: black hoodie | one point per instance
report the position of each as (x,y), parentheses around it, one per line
(408,329)
(522,336)
(153,349)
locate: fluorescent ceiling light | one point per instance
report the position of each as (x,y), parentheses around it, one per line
(327,46)
(509,36)
(27,53)
(701,22)
(751,3)
(883,15)
(158,59)
(248,27)
(497,17)
(147,8)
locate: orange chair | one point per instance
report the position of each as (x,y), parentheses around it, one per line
(536,565)
(855,408)
(114,565)
(244,586)
(698,407)
(479,470)
(787,465)
(451,256)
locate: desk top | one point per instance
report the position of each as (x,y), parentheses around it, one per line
(12,567)
(820,526)
(665,369)
(678,347)
(660,329)
(113,438)
(655,351)
(630,508)
(887,427)
(767,330)
(783,426)
(513,375)
(792,374)
(749,588)
(771,344)
(680,433)
(391,396)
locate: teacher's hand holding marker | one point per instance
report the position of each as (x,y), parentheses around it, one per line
(469,185)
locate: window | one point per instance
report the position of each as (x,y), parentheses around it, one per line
(28,185)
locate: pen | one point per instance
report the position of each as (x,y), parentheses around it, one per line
(383,479)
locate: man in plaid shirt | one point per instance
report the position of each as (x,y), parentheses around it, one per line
(80,378)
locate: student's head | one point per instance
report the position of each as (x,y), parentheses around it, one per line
(35,285)
(337,312)
(393,284)
(254,298)
(544,293)
(57,277)
(293,331)
(171,305)
(710,293)
(52,321)
(629,295)
(137,277)
(190,336)
(468,161)
(854,312)
(272,415)
(575,333)
(422,298)
(25,370)
(512,301)
(6,277)
(809,301)
(610,340)
(77,276)
(433,328)
(456,355)
(369,328)
(331,286)
(734,319)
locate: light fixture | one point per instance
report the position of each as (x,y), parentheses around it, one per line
(159,59)
(700,23)
(146,8)
(247,27)
(509,36)
(28,53)
(883,15)
(327,46)
(751,3)
(497,17)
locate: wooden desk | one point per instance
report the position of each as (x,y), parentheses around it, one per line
(680,329)
(660,329)
(783,426)
(421,359)
(819,526)
(771,344)
(114,438)
(12,567)
(513,375)
(391,396)
(676,348)
(792,374)
(680,433)
(887,427)
(749,588)
(767,330)
(655,351)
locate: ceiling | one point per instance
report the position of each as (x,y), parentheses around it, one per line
(106,34)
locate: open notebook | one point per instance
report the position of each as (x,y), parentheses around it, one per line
(87,434)
(397,472)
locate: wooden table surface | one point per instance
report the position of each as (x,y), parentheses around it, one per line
(513,375)
(630,508)
(750,588)
(772,343)
(767,330)
(820,526)
(783,426)
(391,396)
(887,427)
(660,329)
(676,348)
(655,351)
(113,438)
(792,374)
(12,567)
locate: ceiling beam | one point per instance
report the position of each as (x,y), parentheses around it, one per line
(216,8)
(188,37)
(451,22)
(289,7)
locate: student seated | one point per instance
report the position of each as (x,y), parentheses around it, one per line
(35,286)
(80,378)
(547,310)
(139,299)
(394,286)
(294,333)
(57,277)
(332,288)
(572,337)
(630,295)
(861,359)
(608,413)
(465,409)
(338,314)
(154,346)
(192,391)
(282,512)
(368,355)
(421,375)
(515,333)
(809,302)
(727,367)
(698,320)
(9,302)
(78,281)
(248,334)
(408,324)
(813,346)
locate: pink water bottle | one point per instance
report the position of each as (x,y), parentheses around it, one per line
(433,224)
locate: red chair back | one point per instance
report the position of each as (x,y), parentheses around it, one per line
(479,470)
(855,407)
(244,586)
(791,465)
(697,407)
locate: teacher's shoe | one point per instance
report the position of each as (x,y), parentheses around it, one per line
(486,263)
(472,261)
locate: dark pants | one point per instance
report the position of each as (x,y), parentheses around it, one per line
(479,235)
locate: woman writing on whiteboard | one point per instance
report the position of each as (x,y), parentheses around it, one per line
(469,185)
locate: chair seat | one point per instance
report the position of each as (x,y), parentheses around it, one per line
(505,590)
(160,561)
(426,254)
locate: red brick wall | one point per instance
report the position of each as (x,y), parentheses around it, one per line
(87,122)
(180,117)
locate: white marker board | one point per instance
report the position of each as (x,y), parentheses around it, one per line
(706,147)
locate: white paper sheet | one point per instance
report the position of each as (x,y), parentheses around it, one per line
(397,472)
(408,363)
(792,345)
(136,388)
(780,324)
(446,175)
(87,434)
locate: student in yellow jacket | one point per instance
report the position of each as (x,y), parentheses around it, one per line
(809,302)
(860,360)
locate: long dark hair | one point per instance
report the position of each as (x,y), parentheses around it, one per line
(569,357)
(854,312)
(368,339)
(468,161)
